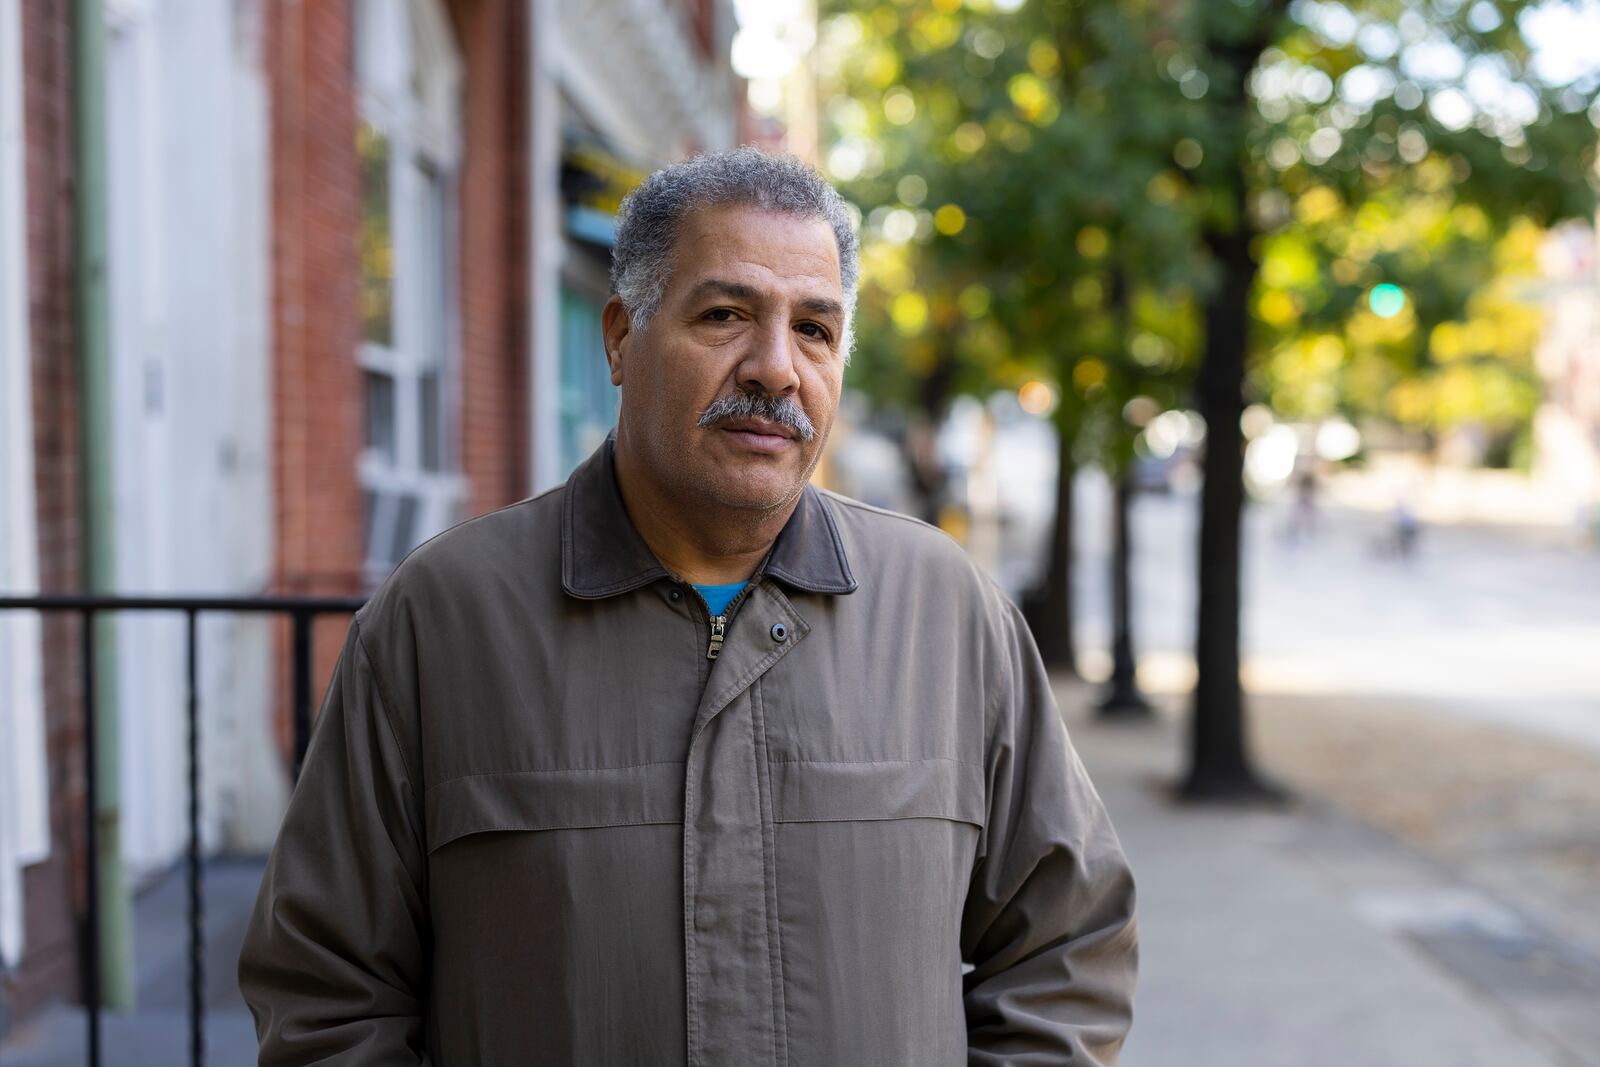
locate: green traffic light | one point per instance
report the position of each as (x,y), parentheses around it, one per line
(1386,300)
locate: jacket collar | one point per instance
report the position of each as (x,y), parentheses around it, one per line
(602,553)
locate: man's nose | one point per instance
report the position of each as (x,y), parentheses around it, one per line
(769,362)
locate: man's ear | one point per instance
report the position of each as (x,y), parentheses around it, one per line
(615,328)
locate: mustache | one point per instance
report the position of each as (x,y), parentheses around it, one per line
(785,410)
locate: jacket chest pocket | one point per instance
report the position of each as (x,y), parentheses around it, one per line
(876,790)
(558,799)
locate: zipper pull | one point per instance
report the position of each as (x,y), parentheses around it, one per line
(719,626)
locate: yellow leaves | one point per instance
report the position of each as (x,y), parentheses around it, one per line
(974,301)
(1088,373)
(1463,393)
(1409,402)
(899,106)
(909,312)
(1304,372)
(1433,174)
(967,139)
(1367,330)
(1043,59)
(1347,271)
(1288,264)
(1086,293)
(1470,221)
(934,31)
(1033,99)
(1317,204)
(1092,242)
(1519,248)
(886,266)
(1015,136)
(1277,308)
(880,66)
(949,219)
(1164,188)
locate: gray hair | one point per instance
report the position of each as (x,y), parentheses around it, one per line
(648,223)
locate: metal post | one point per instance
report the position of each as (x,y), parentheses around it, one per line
(302,688)
(197,1005)
(92,337)
(91,848)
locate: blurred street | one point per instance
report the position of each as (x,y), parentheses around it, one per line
(1491,624)
(1429,896)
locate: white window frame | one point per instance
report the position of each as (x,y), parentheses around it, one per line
(409,77)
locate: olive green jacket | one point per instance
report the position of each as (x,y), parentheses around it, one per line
(540,823)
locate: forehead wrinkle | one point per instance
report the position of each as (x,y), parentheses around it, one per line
(712,242)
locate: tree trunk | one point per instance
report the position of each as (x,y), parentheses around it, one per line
(1048,608)
(1123,699)
(922,429)
(1220,767)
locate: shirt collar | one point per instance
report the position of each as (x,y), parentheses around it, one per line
(602,553)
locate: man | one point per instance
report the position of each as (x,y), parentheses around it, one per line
(688,761)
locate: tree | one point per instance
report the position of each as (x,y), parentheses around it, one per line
(1264,76)
(1023,166)
(1017,161)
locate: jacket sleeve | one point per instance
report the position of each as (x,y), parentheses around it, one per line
(335,958)
(1049,925)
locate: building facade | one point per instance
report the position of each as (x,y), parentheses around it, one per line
(1567,425)
(351,260)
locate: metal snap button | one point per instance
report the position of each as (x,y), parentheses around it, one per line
(675,596)
(780,632)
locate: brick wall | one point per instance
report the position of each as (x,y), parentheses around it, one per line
(316,382)
(53,891)
(318,394)
(492,36)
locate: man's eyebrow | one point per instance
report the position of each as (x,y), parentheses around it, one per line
(718,287)
(817,305)
(814,305)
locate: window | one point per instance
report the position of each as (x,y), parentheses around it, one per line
(408,148)
(588,400)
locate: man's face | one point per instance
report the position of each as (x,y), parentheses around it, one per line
(743,354)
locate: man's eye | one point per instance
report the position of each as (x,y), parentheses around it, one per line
(813,330)
(720,315)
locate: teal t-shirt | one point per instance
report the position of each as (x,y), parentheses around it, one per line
(718,597)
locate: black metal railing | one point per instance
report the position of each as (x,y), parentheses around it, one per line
(302,611)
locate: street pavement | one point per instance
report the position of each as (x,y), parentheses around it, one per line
(1432,896)
(1304,937)
(1497,625)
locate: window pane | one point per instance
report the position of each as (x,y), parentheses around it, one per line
(405,524)
(376,238)
(435,267)
(432,277)
(380,415)
(379,508)
(587,400)
(428,398)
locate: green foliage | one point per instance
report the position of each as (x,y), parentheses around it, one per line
(1042,188)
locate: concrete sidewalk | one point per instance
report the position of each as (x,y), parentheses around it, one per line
(1304,938)
(157,1033)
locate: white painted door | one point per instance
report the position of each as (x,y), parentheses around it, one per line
(149,646)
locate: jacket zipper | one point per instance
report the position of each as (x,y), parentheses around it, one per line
(719,623)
